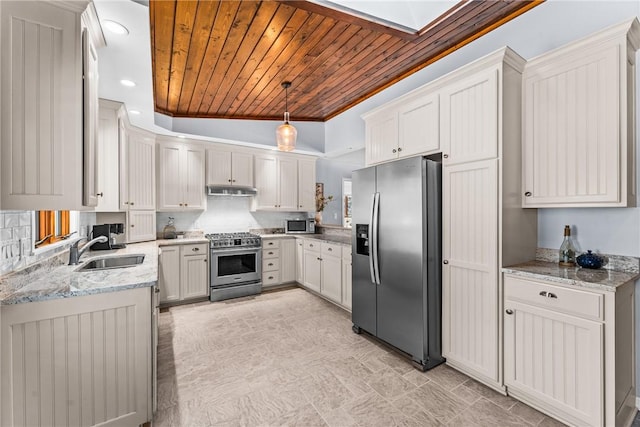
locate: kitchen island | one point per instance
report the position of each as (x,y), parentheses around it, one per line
(76,346)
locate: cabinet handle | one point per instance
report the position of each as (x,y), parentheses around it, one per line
(527,194)
(444,261)
(446,156)
(552,295)
(393,151)
(195,249)
(101,194)
(509,311)
(543,293)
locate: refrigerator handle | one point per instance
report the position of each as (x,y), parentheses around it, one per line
(375,269)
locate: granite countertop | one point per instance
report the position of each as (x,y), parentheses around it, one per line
(53,279)
(601,279)
(185,241)
(344,240)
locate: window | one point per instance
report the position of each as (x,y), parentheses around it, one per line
(51,227)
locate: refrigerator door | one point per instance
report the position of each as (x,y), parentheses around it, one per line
(363,310)
(401,247)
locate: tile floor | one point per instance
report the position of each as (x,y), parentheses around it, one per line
(289,358)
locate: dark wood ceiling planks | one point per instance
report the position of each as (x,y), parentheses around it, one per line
(227,59)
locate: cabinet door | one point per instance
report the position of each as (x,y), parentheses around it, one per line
(300,261)
(346,280)
(218,166)
(469,117)
(288,185)
(332,278)
(142,172)
(312,266)
(242,169)
(195,277)
(266,168)
(169,182)
(169,273)
(306,185)
(123,149)
(193,178)
(108,162)
(287,260)
(141,226)
(418,123)
(470,270)
(41,107)
(572,154)
(556,359)
(90,119)
(381,138)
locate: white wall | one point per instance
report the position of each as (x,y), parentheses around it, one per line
(547,26)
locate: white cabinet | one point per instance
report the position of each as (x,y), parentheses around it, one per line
(141,226)
(276,181)
(307,185)
(181,184)
(278,261)
(108,164)
(569,350)
(300,261)
(579,113)
(42,107)
(89,113)
(312,266)
(287,260)
(183,272)
(331,276)
(347,278)
(484,227)
(404,128)
(83,360)
(226,167)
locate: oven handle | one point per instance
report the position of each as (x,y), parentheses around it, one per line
(216,251)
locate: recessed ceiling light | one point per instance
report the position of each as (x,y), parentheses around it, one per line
(115,27)
(135,112)
(127,83)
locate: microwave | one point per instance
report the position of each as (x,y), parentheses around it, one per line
(293,226)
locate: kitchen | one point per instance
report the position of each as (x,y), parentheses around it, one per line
(340,144)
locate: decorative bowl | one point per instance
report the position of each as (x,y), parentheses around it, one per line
(589,260)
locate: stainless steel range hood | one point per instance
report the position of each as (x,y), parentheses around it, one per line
(227,190)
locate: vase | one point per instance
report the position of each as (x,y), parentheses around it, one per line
(318,217)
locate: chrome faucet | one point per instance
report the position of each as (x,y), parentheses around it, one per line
(75,253)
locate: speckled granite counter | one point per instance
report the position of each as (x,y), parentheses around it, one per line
(53,279)
(602,279)
(185,241)
(344,240)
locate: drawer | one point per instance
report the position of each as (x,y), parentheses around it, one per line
(312,245)
(331,249)
(195,249)
(271,278)
(271,264)
(270,253)
(270,243)
(543,294)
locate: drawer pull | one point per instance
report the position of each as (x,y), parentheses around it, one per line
(310,245)
(195,249)
(509,311)
(445,261)
(270,264)
(543,293)
(270,277)
(270,243)
(270,253)
(528,194)
(329,249)
(552,295)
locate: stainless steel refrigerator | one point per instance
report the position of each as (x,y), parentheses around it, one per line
(396,237)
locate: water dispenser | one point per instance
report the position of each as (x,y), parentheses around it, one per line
(362,239)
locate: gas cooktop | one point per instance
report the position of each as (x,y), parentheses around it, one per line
(230,240)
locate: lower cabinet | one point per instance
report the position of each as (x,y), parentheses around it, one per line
(278,261)
(183,272)
(300,261)
(312,266)
(346,277)
(82,360)
(331,276)
(325,268)
(569,351)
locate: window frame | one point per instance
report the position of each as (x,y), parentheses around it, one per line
(69,225)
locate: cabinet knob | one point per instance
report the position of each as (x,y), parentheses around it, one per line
(543,293)
(195,249)
(329,249)
(131,203)
(527,194)
(445,261)
(446,156)
(229,180)
(399,149)
(126,203)
(204,260)
(270,253)
(394,150)
(552,295)
(132,225)
(186,204)
(270,243)
(180,204)
(270,264)
(101,194)
(319,259)
(156,290)
(509,311)
(310,245)
(270,277)
(233,180)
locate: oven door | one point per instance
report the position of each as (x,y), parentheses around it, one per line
(231,266)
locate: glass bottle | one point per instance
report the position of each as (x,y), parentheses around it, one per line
(567,253)
(169,231)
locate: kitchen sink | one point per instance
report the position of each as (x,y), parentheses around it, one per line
(107,263)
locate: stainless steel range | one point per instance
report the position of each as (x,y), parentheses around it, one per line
(236,265)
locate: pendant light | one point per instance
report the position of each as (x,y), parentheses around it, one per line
(286,134)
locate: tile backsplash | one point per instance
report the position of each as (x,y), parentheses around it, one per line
(16,239)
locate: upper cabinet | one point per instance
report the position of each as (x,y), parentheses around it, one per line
(227,167)
(306,185)
(137,170)
(281,185)
(403,129)
(107,153)
(181,169)
(579,122)
(42,105)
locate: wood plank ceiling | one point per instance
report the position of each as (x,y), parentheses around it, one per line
(227,59)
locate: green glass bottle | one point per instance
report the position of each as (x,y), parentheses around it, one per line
(567,253)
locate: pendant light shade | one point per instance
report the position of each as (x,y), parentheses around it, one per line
(285,133)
